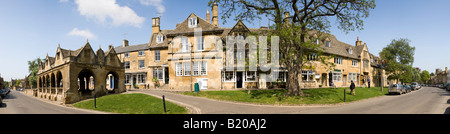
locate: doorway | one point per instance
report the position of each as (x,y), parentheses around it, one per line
(166,75)
(239,80)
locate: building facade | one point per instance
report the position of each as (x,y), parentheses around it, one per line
(195,52)
(72,76)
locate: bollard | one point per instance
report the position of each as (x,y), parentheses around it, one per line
(95,100)
(344,94)
(164,103)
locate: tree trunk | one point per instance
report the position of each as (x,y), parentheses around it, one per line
(293,84)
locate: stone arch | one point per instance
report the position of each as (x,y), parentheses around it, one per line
(112,81)
(52,80)
(85,77)
(59,79)
(47,80)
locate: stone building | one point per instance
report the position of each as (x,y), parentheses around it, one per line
(72,76)
(441,76)
(191,53)
(135,59)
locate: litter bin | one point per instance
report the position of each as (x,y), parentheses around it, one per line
(196,87)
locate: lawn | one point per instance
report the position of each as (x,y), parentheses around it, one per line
(277,97)
(131,104)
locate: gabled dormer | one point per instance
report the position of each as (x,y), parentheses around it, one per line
(111,57)
(86,54)
(239,30)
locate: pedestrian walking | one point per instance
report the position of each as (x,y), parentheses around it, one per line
(352,88)
(368,82)
(364,83)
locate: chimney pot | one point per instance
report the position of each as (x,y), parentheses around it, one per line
(125,43)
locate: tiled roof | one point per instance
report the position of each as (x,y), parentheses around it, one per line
(184,28)
(121,49)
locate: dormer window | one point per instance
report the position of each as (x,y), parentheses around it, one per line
(327,44)
(350,51)
(193,22)
(159,39)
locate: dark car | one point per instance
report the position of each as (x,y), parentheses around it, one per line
(408,88)
(1,100)
(4,93)
(447,86)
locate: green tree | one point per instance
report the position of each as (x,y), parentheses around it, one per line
(425,76)
(33,68)
(294,20)
(17,83)
(399,57)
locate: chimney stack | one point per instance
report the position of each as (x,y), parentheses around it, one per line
(215,13)
(358,42)
(125,43)
(155,25)
(208,16)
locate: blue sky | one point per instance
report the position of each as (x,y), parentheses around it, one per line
(32,28)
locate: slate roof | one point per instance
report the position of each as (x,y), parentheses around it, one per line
(183,27)
(165,42)
(121,49)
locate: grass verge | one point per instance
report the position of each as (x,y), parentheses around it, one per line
(277,97)
(135,103)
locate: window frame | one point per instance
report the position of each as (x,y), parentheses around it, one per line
(337,75)
(328,43)
(310,75)
(187,72)
(129,65)
(157,55)
(127,79)
(247,76)
(179,69)
(141,78)
(139,64)
(224,76)
(353,63)
(338,60)
(141,53)
(204,64)
(159,39)
(192,22)
(200,43)
(184,45)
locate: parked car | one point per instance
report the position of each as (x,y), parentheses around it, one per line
(441,85)
(447,86)
(415,86)
(4,92)
(408,88)
(396,88)
(1,100)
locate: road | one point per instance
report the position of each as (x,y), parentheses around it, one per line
(428,100)
(19,103)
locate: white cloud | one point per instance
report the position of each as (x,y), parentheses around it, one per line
(156,3)
(83,33)
(108,10)
(62,1)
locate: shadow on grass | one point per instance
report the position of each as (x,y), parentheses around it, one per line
(257,94)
